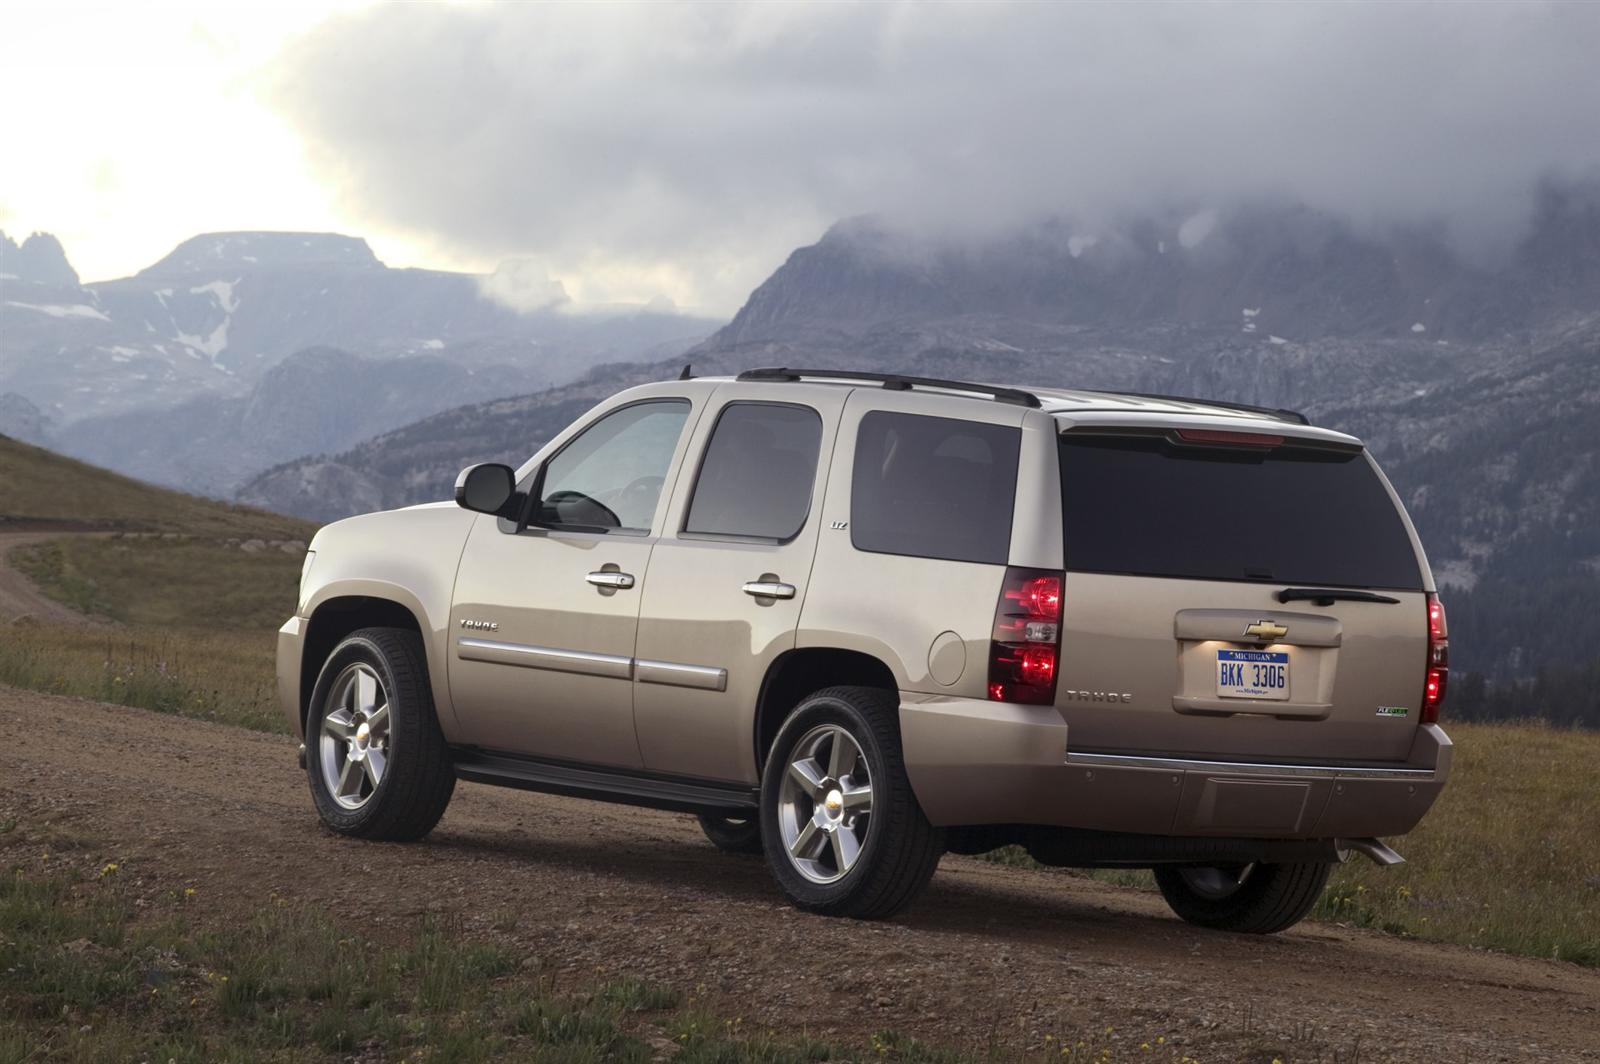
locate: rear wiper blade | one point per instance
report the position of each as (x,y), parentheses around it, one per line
(1326,596)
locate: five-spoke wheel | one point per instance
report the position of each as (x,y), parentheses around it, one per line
(843,832)
(354,745)
(380,767)
(825,804)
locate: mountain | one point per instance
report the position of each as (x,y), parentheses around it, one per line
(317,400)
(206,328)
(39,260)
(1476,385)
(21,420)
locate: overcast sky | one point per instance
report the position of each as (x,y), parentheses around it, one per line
(682,150)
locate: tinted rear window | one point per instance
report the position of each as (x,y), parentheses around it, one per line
(934,487)
(1292,515)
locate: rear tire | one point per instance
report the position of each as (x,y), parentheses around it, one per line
(733,834)
(377,762)
(1260,899)
(843,833)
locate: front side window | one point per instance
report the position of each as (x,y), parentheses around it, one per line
(610,476)
(758,472)
(934,487)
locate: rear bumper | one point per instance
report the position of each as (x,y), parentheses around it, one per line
(291,645)
(973,762)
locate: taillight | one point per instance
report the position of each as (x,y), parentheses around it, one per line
(1225,438)
(1438,674)
(1025,646)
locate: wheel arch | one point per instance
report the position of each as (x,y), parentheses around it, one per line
(796,673)
(334,618)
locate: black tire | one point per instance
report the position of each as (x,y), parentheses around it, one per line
(732,833)
(900,849)
(1268,899)
(417,780)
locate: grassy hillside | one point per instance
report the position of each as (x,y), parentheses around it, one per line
(1505,861)
(41,488)
(194,589)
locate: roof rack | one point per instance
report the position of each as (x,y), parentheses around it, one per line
(894,382)
(1276,412)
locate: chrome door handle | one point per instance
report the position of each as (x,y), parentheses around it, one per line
(621,581)
(769,589)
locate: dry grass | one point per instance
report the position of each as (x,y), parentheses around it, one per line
(197,621)
(41,487)
(177,583)
(1509,858)
(222,676)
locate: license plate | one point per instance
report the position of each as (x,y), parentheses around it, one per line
(1253,674)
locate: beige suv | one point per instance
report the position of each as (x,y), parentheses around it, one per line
(855,620)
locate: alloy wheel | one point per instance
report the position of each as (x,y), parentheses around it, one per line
(825,804)
(354,743)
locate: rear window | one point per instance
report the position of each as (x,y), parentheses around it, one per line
(934,487)
(1291,515)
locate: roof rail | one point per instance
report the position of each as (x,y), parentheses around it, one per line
(894,382)
(1277,413)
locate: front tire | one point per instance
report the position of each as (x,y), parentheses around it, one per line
(377,763)
(1258,899)
(843,833)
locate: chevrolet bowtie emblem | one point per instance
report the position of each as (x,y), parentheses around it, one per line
(1266,630)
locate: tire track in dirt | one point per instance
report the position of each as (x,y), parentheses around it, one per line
(988,954)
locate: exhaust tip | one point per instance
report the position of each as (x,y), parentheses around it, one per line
(1379,854)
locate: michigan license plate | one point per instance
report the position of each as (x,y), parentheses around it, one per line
(1253,674)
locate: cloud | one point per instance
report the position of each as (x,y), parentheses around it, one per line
(523,284)
(683,150)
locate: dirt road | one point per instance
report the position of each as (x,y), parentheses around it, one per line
(18,597)
(988,953)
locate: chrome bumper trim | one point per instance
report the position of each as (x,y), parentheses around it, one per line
(1242,768)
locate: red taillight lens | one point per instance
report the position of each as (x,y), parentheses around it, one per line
(1024,647)
(1038,597)
(1437,678)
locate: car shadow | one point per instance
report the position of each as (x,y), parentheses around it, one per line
(1025,906)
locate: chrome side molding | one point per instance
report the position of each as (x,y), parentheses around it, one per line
(612,666)
(676,674)
(553,658)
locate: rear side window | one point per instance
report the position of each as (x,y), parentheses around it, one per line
(934,487)
(757,474)
(1290,515)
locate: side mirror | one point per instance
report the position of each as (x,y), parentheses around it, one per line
(486,488)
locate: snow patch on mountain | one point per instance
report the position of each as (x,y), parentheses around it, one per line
(61,310)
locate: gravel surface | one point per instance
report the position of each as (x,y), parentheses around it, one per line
(989,956)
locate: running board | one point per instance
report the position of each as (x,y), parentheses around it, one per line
(684,795)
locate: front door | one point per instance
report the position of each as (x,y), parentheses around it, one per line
(544,619)
(728,579)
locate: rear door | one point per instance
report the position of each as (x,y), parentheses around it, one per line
(728,581)
(1182,630)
